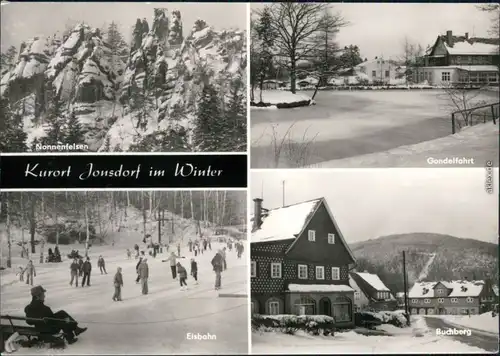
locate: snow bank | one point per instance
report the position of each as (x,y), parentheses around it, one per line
(485,322)
(479,142)
(276,97)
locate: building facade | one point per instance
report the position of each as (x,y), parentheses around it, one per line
(450,297)
(300,263)
(459,60)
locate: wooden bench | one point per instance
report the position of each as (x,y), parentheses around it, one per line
(33,336)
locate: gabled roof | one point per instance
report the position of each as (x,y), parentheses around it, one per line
(460,288)
(290,221)
(373,280)
(285,223)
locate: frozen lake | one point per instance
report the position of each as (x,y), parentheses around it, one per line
(345,124)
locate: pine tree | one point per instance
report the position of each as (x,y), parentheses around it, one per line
(12,136)
(235,119)
(208,128)
(55,120)
(74,133)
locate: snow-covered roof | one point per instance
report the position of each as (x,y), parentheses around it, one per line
(305,288)
(373,280)
(467,48)
(284,223)
(460,288)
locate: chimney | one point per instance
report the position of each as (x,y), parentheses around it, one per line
(257,214)
(467,35)
(449,38)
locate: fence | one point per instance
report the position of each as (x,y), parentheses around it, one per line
(474,116)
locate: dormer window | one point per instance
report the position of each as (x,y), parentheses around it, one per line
(331,239)
(311,235)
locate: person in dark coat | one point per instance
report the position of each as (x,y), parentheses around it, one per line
(194,270)
(102,264)
(218,264)
(38,310)
(87,268)
(118,283)
(80,266)
(182,275)
(74,268)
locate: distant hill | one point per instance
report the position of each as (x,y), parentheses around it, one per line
(456,258)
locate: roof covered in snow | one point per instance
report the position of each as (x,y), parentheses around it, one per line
(461,288)
(286,222)
(305,288)
(373,280)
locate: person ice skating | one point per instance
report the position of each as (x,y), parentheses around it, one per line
(182,275)
(194,270)
(173,263)
(144,275)
(58,321)
(87,268)
(80,266)
(224,263)
(102,265)
(75,269)
(21,274)
(118,283)
(217,264)
(30,272)
(190,245)
(129,254)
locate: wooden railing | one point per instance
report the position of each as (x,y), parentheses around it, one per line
(483,114)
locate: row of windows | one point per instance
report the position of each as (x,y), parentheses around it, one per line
(277,271)
(311,236)
(441,300)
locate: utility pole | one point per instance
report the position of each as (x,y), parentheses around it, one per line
(405,281)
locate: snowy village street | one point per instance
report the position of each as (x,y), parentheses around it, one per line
(416,339)
(156,323)
(479,338)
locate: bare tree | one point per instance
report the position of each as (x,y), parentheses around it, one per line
(295,24)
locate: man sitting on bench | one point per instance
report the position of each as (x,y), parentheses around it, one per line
(38,310)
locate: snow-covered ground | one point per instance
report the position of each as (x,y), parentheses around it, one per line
(274,97)
(479,142)
(156,323)
(415,339)
(484,322)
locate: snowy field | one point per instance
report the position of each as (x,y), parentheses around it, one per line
(416,339)
(157,323)
(483,322)
(346,124)
(479,142)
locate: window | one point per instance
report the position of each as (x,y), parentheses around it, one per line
(302,271)
(445,76)
(342,309)
(357,295)
(320,272)
(305,306)
(335,273)
(470,300)
(275,270)
(311,235)
(374,73)
(414,301)
(440,300)
(331,238)
(274,308)
(253,272)
(387,74)
(454,300)
(427,301)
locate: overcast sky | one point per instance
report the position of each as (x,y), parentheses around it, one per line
(376,202)
(22,21)
(379,29)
